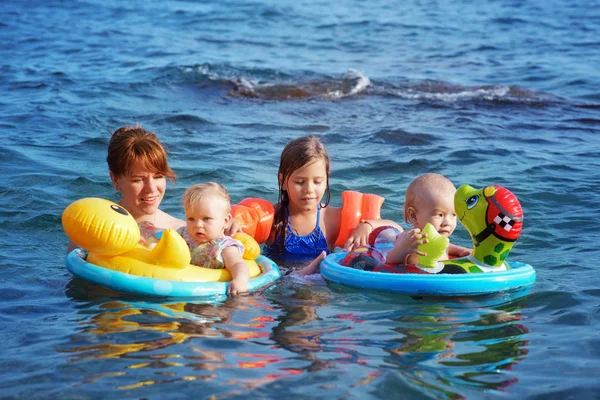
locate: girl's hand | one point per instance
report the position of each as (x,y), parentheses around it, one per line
(359,237)
(313,267)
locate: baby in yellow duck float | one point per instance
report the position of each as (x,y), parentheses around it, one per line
(112,238)
(207,214)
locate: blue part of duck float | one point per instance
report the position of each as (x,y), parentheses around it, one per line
(122,282)
(494,218)
(519,276)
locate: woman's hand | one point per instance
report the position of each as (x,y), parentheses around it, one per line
(233,228)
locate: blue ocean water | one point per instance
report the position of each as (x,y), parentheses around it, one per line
(504,92)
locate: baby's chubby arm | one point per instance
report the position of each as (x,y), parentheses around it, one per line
(406,244)
(360,235)
(237,268)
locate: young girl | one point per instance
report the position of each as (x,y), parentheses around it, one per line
(208,213)
(304,227)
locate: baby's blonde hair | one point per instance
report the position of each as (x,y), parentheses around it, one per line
(197,193)
(418,185)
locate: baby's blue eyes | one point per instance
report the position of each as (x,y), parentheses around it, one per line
(205,219)
(472,201)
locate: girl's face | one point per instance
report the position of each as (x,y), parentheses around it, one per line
(141,190)
(207,220)
(306,186)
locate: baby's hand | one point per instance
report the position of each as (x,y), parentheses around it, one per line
(411,240)
(359,237)
(237,286)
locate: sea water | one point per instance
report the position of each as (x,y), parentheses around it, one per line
(504,92)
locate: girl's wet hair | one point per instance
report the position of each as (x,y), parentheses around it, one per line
(131,146)
(198,193)
(295,155)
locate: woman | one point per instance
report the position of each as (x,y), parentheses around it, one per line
(139,169)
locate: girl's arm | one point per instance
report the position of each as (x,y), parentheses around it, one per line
(237,268)
(313,267)
(405,246)
(331,221)
(360,235)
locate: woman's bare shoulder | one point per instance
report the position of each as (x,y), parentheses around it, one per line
(167,221)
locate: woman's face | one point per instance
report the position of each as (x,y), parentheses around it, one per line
(141,190)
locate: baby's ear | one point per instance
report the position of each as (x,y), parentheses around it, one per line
(411,215)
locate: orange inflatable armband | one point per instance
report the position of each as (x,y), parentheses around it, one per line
(371,206)
(356,206)
(255,217)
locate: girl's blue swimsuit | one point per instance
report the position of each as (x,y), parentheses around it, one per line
(296,246)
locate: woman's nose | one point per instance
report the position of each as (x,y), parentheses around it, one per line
(151,184)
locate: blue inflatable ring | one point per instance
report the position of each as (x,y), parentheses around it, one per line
(123,282)
(519,276)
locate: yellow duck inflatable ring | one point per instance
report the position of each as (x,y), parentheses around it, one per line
(114,258)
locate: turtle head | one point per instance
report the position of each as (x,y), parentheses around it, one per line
(494,219)
(471,208)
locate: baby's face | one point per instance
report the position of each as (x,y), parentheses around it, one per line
(207,220)
(437,208)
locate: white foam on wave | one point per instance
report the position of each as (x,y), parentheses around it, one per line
(484,93)
(362,82)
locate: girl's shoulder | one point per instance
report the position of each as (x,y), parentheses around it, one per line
(331,212)
(331,219)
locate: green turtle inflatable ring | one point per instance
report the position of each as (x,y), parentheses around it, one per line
(494,218)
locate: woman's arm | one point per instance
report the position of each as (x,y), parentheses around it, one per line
(71,246)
